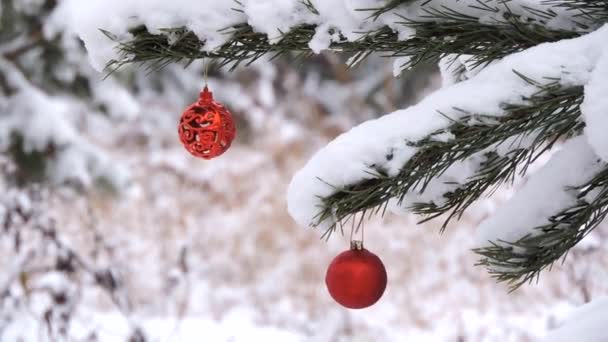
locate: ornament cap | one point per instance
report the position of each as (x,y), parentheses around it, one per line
(356,245)
(205,96)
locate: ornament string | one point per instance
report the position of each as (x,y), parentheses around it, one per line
(206,72)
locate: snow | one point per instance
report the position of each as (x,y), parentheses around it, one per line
(120,103)
(204,18)
(595,108)
(274,17)
(41,129)
(285,15)
(44,121)
(343,15)
(573,165)
(456,68)
(347,159)
(28,6)
(587,323)
(399,65)
(238,325)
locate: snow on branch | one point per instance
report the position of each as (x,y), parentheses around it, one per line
(159,32)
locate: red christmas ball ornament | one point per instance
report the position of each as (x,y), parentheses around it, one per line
(206,128)
(356,278)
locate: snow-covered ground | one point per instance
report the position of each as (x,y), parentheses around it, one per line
(207,251)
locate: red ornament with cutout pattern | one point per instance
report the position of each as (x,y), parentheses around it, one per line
(356,278)
(206,128)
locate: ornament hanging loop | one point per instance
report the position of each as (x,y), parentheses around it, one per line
(357,245)
(205,97)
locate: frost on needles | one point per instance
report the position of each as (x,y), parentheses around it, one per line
(521,78)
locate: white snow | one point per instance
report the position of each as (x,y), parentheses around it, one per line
(348,158)
(28,6)
(595,108)
(204,18)
(585,324)
(52,121)
(39,128)
(456,68)
(274,17)
(451,70)
(400,65)
(344,16)
(44,121)
(238,325)
(120,103)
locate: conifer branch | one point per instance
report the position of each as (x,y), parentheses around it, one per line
(551,114)
(439,32)
(389,6)
(520,262)
(496,169)
(595,11)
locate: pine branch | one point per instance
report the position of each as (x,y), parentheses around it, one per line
(591,10)
(446,31)
(551,114)
(522,261)
(495,170)
(389,6)
(441,31)
(245,45)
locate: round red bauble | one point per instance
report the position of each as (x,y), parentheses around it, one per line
(356,278)
(206,128)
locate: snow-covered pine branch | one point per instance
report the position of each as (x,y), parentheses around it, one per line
(575,181)
(158,32)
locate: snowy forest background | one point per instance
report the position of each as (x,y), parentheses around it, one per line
(110,231)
